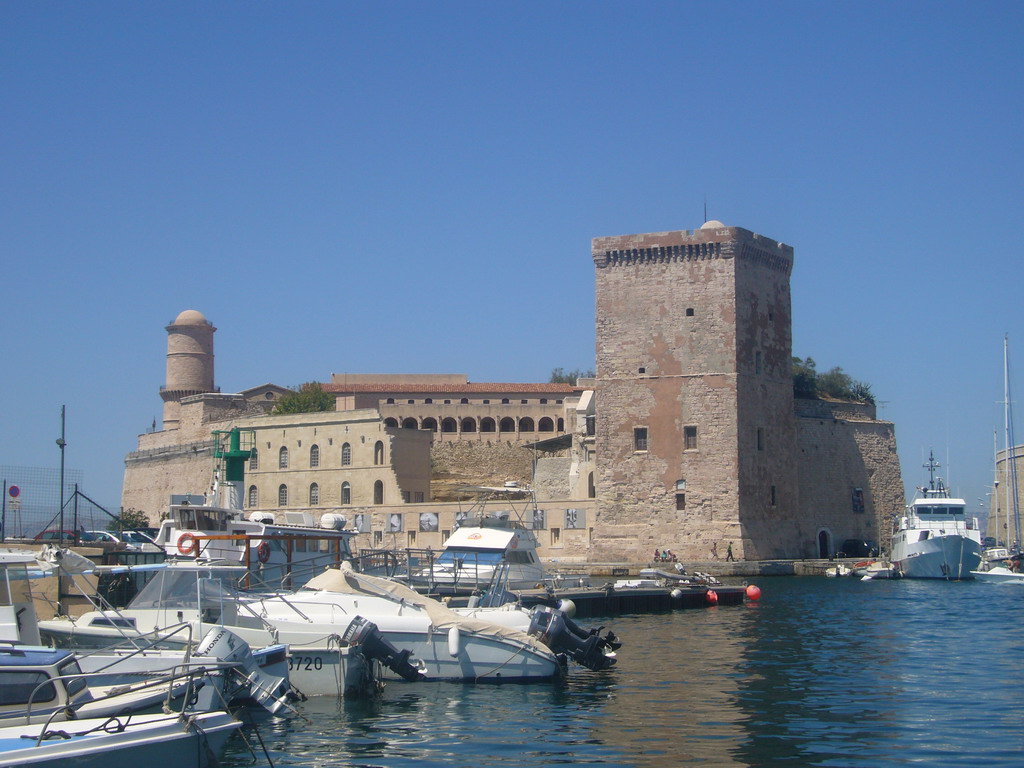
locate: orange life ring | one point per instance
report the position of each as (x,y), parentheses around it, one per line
(188,544)
(263,552)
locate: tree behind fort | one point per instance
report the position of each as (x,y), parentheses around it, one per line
(309,398)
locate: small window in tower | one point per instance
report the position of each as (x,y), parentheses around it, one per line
(680,501)
(757,362)
(689,311)
(760,438)
(641,369)
(773,496)
(690,438)
(639,438)
(282,458)
(771,316)
(858,500)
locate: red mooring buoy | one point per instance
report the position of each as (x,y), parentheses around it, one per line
(711,596)
(753,592)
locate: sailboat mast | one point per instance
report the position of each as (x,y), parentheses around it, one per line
(1010,453)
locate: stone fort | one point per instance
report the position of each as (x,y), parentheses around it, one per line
(689,437)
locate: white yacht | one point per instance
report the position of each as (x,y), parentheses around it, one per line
(332,624)
(935,539)
(490,549)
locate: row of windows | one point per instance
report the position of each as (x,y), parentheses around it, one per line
(487,424)
(640,438)
(465,401)
(284,456)
(283,496)
(641,441)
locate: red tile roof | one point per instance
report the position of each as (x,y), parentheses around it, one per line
(470,388)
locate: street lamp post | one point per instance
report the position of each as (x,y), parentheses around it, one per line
(60,444)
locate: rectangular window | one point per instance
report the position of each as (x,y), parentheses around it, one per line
(690,438)
(556,536)
(773,496)
(378,538)
(680,501)
(760,438)
(757,362)
(858,500)
(412,538)
(639,439)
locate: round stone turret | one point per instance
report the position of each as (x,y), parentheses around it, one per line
(189,362)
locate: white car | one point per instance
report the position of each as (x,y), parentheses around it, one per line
(133,540)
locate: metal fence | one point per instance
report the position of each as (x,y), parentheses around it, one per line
(31,503)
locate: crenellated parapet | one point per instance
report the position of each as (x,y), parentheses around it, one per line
(712,241)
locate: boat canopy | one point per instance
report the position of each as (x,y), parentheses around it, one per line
(345,580)
(474,538)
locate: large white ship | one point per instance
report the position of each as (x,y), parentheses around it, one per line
(935,539)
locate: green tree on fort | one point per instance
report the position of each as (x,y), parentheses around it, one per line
(805,378)
(562,376)
(834,383)
(309,398)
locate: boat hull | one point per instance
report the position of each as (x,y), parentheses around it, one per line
(999,575)
(156,741)
(949,557)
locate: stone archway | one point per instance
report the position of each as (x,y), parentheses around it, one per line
(824,543)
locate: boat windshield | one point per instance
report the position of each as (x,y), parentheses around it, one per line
(924,509)
(200,518)
(183,588)
(470,557)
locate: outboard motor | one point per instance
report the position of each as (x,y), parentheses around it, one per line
(364,636)
(269,691)
(564,636)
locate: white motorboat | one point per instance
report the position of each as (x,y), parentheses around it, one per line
(878,570)
(188,600)
(935,539)
(155,741)
(999,575)
(488,546)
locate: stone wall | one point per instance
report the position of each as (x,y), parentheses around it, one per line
(837,457)
(486,462)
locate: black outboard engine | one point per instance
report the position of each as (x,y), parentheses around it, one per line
(564,636)
(364,636)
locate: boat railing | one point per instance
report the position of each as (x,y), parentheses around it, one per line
(422,569)
(203,544)
(182,681)
(160,639)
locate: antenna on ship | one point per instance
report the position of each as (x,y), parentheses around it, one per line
(931,465)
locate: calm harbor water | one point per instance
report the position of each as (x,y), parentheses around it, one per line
(821,672)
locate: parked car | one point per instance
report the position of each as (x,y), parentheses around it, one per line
(858,548)
(134,540)
(55,534)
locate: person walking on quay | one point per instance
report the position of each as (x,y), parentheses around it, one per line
(714,550)
(728,554)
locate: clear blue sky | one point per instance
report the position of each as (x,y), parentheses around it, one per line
(412,187)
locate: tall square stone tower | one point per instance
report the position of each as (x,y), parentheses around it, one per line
(696,433)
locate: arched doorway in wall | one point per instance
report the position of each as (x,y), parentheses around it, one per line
(409,423)
(824,543)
